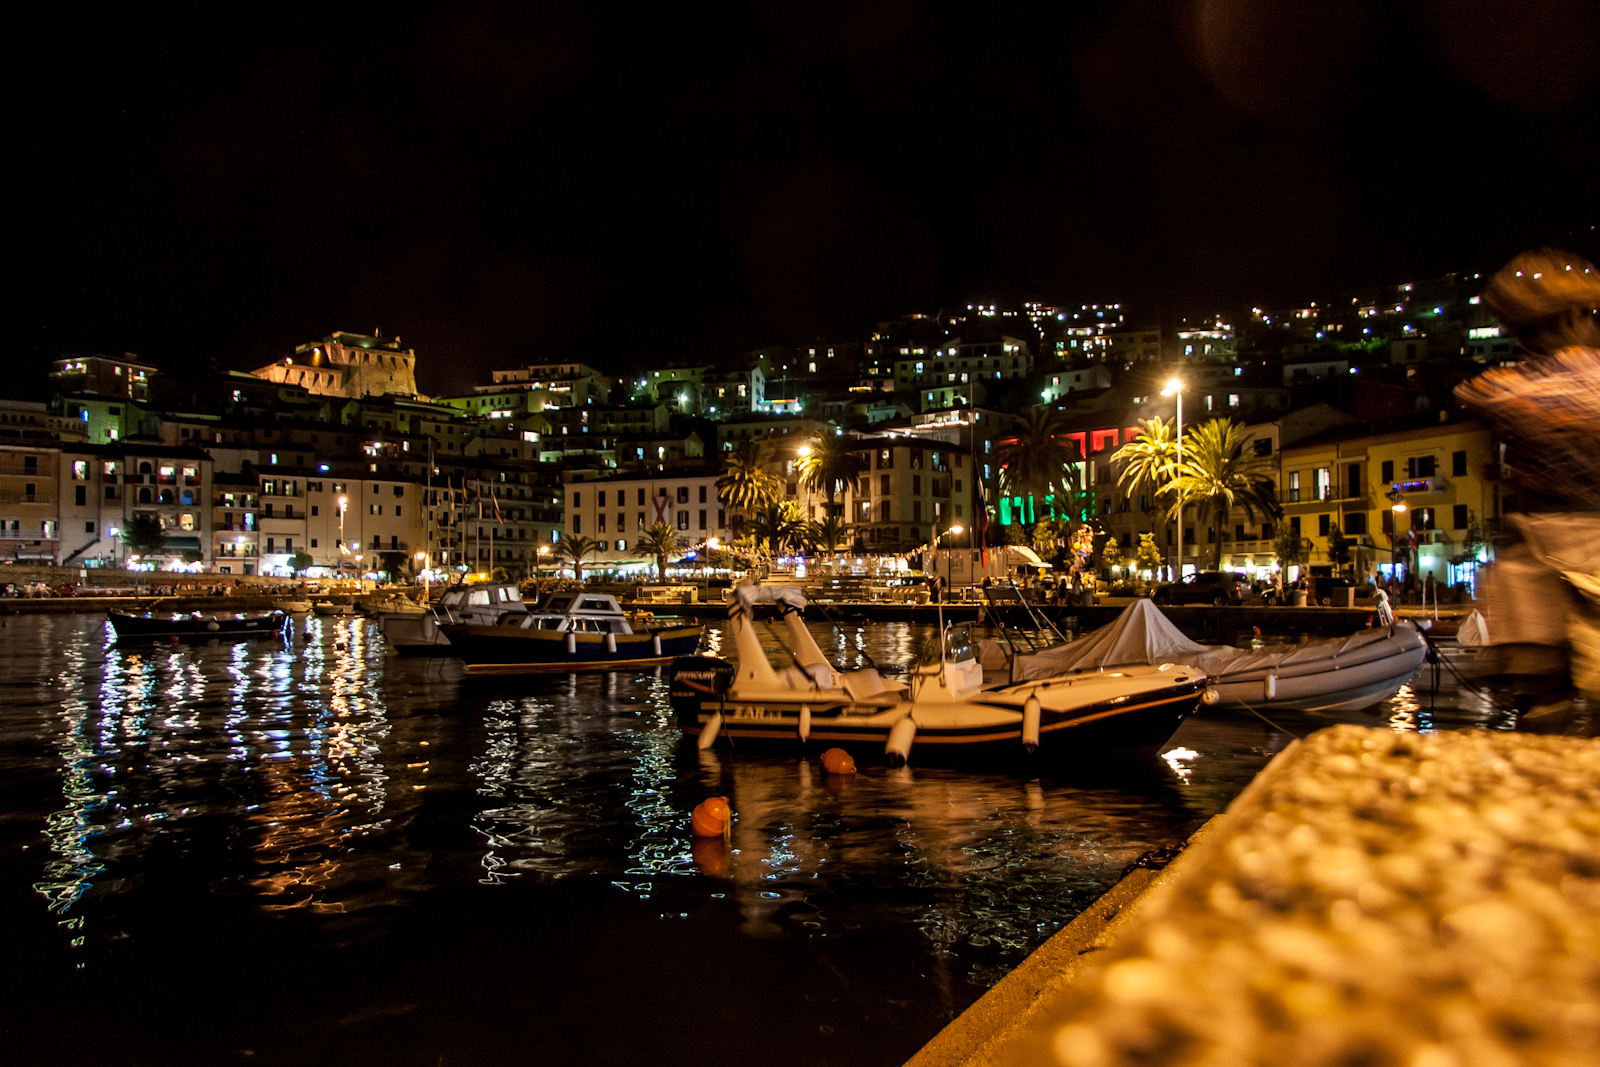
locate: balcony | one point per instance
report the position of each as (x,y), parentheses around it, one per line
(26,498)
(28,535)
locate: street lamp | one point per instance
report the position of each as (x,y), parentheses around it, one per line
(1175,389)
(1397,502)
(949,557)
(544,550)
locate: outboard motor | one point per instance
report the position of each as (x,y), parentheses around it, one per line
(710,676)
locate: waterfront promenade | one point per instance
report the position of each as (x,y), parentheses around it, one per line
(1375,898)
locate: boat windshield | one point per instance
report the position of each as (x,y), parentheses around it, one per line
(957,648)
(511,594)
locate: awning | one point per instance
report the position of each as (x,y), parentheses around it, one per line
(181,543)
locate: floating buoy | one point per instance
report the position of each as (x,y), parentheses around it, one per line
(212,626)
(708,732)
(898,747)
(713,818)
(838,761)
(572,644)
(655,644)
(611,643)
(1032,713)
(805,723)
(1269,687)
(172,639)
(1210,697)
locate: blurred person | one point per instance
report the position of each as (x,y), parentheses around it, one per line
(1542,593)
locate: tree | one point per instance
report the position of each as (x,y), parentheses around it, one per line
(660,541)
(830,466)
(573,549)
(1111,553)
(1148,556)
(1338,546)
(778,526)
(744,483)
(1289,547)
(1050,536)
(1218,475)
(1037,459)
(830,533)
(143,535)
(1148,462)
(300,561)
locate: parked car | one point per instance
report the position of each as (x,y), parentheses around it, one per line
(1321,591)
(1205,587)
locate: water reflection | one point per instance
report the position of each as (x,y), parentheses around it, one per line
(305,787)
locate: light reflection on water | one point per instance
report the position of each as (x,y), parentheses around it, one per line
(298,785)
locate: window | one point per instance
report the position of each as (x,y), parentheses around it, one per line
(1294,526)
(1324,525)
(372,509)
(399,490)
(1420,467)
(1355,523)
(313,542)
(602,527)
(883,485)
(1458,464)
(88,527)
(1388,522)
(577,524)
(683,520)
(80,470)
(577,501)
(683,494)
(641,521)
(1353,480)
(313,511)
(1422,518)
(80,494)
(916,485)
(1458,518)
(1322,483)
(641,498)
(1294,486)
(702,518)
(600,499)
(1266,531)
(1387,470)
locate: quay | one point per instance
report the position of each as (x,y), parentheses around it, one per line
(1421,900)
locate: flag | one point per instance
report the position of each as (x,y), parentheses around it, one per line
(494,498)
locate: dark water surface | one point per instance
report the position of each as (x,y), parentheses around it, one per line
(317,852)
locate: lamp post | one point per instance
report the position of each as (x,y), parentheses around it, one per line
(1397,501)
(1175,389)
(544,550)
(949,557)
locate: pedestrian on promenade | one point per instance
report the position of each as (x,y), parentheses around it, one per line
(1542,592)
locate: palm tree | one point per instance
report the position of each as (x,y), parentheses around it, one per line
(1035,460)
(660,541)
(574,549)
(745,484)
(1148,460)
(830,533)
(1218,476)
(779,526)
(831,465)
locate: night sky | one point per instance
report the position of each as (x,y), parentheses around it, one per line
(631,184)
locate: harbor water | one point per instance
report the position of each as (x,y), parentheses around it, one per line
(309,851)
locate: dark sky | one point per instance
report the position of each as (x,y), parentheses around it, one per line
(631,184)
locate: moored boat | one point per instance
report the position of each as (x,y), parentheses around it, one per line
(575,631)
(945,710)
(1342,674)
(415,630)
(220,624)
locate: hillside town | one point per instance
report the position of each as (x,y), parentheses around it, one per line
(330,461)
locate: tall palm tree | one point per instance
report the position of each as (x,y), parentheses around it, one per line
(745,484)
(574,549)
(1218,475)
(1036,459)
(1148,461)
(830,466)
(660,541)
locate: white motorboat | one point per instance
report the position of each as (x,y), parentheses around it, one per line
(417,632)
(945,709)
(1339,674)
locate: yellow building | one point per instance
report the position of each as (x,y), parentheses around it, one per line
(1405,492)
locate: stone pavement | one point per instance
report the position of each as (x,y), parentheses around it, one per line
(1373,898)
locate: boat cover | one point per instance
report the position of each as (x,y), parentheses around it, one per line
(748,596)
(1474,632)
(1143,635)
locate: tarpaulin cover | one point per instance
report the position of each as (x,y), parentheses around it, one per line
(1143,635)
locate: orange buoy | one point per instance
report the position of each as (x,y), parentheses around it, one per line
(712,818)
(838,761)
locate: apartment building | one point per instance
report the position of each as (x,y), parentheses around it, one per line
(614,511)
